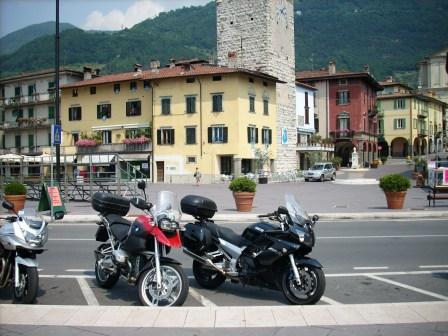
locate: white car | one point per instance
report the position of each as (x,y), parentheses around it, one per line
(320,171)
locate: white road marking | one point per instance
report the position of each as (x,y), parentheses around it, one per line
(202,299)
(330,301)
(79,270)
(434,266)
(379,237)
(367,268)
(69,276)
(412,288)
(71,239)
(337,275)
(87,292)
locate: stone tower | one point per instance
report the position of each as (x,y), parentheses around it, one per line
(259,35)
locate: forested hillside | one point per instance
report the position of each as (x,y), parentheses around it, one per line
(389,35)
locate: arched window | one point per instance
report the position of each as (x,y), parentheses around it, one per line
(343,121)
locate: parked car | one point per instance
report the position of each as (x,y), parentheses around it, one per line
(320,171)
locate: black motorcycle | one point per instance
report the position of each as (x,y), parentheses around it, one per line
(271,253)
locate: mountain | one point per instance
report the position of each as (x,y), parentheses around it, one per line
(391,36)
(13,41)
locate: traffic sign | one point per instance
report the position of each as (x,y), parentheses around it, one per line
(56,134)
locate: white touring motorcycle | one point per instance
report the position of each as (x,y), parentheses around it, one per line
(22,237)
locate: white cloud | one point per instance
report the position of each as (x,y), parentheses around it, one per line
(116,19)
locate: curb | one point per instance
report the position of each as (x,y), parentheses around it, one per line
(254,217)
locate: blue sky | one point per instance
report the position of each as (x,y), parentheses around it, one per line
(85,14)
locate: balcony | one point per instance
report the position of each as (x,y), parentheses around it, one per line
(24,100)
(342,134)
(422,132)
(314,147)
(422,114)
(114,148)
(27,123)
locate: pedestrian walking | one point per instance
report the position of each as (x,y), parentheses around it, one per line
(197,175)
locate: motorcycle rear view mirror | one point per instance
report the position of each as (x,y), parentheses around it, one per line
(282,210)
(141,185)
(7,205)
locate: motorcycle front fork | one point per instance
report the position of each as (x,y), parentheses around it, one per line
(157,257)
(294,269)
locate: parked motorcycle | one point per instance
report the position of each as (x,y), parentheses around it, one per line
(271,253)
(138,250)
(22,237)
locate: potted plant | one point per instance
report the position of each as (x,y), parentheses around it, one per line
(243,190)
(337,161)
(15,192)
(395,186)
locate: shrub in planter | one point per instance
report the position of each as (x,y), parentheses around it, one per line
(337,161)
(243,192)
(395,186)
(15,192)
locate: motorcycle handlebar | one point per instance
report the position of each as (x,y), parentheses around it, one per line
(267,215)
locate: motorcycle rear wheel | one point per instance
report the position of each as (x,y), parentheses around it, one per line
(174,289)
(104,278)
(310,290)
(26,292)
(207,277)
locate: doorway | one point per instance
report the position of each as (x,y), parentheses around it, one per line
(160,171)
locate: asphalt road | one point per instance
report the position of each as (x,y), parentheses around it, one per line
(364,262)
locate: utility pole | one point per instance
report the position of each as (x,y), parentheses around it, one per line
(56,82)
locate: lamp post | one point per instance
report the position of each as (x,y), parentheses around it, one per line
(56,82)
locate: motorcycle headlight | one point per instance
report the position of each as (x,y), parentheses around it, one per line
(37,240)
(167,225)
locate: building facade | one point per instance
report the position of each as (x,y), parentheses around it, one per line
(27,108)
(433,76)
(346,110)
(259,35)
(191,113)
(410,123)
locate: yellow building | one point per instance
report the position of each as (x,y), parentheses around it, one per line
(194,114)
(410,123)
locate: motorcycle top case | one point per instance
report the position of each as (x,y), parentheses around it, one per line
(106,203)
(198,206)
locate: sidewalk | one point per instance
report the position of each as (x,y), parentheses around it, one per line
(354,195)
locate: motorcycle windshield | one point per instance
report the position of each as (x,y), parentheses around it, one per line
(297,213)
(168,205)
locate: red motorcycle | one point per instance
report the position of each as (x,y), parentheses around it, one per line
(138,250)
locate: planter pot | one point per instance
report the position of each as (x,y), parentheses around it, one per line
(243,201)
(395,200)
(17,200)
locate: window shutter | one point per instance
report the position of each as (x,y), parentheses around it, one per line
(338,124)
(270,136)
(224,134)
(248,135)
(348,96)
(172,136)
(159,137)
(98,112)
(348,123)
(256,135)
(210,130)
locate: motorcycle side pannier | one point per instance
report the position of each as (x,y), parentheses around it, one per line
(106,203)
(198,206)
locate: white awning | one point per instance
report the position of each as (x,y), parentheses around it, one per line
(133,157)
(97,159)
(11,157)
(46,158)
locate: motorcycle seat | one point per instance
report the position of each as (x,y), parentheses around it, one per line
(232,237)
(119,226)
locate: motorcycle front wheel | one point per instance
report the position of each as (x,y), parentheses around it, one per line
(26,291)
(311,288)
(172,292)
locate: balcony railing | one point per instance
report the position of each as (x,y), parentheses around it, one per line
(318,147)
(342,134)
(422,132)
(114,148)
(35,98)
(27,123)
(422,114)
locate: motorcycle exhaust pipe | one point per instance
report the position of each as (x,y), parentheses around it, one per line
(202,260)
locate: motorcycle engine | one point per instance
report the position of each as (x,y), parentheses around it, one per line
(120,257)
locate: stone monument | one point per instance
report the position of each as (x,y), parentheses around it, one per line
(355,159)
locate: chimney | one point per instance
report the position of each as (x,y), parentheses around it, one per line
(172,62)
(137,68)
(154,65)
(87,73)
(366,68)
(332,68)
(389,79)
(97,72)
